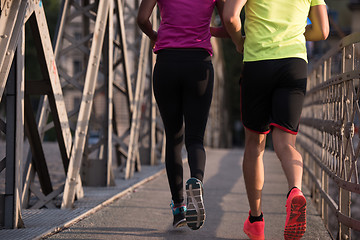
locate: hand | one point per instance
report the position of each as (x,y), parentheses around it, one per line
(240,46)
(240,49)
(153,39)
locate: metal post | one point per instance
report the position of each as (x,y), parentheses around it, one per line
(86,105)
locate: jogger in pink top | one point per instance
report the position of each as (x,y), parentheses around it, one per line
(185,24)
(183,84)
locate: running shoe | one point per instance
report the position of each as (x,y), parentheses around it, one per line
(179,215)
(195,214)
(255,230)
(295,225)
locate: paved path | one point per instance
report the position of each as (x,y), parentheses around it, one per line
(145,213)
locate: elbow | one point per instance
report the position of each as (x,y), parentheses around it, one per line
(230,20)
(324,28)
(141,21)
(325,32)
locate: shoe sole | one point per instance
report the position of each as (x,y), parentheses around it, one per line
(180,223)
(195,213)
(296,229)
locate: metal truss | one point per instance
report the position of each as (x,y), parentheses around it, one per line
(95,94)
(19,113)
(103,81)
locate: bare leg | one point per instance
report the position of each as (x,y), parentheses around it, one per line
(253,169)
(291,160)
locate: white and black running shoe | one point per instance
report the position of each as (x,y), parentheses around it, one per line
(195,213)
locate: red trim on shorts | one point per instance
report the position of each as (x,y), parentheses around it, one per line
(256,131)
(283,128)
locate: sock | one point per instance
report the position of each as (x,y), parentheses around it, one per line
(256,219)
(290,192)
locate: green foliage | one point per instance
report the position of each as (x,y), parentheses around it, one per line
(233,67)
(32,66)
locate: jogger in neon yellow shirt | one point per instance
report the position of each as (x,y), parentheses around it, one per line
(272,90)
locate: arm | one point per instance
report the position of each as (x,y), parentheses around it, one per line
(231,15)
(319,27)
(220,31)
(143,18)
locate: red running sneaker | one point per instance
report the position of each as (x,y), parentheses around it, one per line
(295,225)
(255,230)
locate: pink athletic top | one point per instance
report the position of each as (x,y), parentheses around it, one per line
(185,24)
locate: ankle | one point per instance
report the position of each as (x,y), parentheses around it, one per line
(256,218)
(177,204)
(290,191)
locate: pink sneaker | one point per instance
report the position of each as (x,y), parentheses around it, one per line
(255,230)
(295,225)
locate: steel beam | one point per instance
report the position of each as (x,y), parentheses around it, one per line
(86,105)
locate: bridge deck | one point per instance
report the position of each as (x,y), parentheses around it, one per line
(139,208)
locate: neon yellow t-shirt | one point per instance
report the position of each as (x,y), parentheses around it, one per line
(275,28)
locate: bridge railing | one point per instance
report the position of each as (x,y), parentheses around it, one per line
(329,137)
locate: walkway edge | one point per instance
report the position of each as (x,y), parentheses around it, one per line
(67,224)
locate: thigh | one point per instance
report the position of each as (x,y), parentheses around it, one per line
(289,95)
(255,96)
(168,97)
(197,96)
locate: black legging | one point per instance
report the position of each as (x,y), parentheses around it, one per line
(183,85)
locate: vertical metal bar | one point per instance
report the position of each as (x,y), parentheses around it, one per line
(86,105)
(345,196)
(153,114)
(135,122)
(9,220)
(20,89)
(324,206)
(14,140)
(120,16)
(60,26)
(86,31)
(109,94)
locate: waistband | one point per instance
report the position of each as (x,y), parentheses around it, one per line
(183,54)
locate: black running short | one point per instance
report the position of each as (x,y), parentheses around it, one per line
(272,94)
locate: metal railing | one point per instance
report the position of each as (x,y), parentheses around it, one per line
(329,137)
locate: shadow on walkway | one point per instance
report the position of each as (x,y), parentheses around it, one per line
(145,212)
